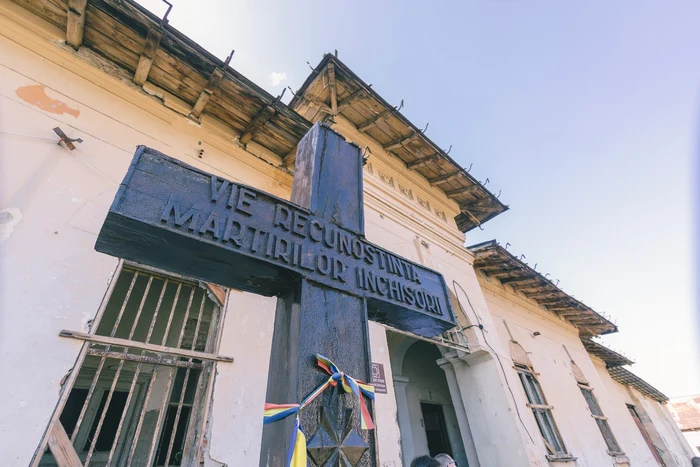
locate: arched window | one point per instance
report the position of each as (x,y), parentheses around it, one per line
(537,402)
(596,412)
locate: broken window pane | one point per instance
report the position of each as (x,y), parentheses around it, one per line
(136,407)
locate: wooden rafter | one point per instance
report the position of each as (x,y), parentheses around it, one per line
(461,191)
(503,272)
(520,280)
(445,178)
(351,98)
(150,48)
(214,80)
(263,116)
(373,121)
(421,162)
(481,205)
(397,143)
(334,90)
(290,158)
(76,23)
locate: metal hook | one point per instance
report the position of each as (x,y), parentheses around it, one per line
(400,105)
(545,276)
(312,68)
(470,167)
(291,90)
(507,245)
(522,257)
(535,266)
(557,283)
(164,21)
(499,194)
(426,128)
(450,149)
(487,180)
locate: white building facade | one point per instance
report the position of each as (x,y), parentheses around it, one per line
(517,383)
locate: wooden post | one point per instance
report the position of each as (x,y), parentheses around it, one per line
(150,47)
(76,23)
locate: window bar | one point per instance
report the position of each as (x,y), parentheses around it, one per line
(93,443)
(102,360)
(214,335)
(206,368)
(73,374)
(184,382)
(154,376)
(166,398)
(138,371)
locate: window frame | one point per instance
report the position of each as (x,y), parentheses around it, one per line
(542,412)
(208,366)
(600,419)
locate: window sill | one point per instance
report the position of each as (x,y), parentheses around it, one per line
(551,458)
(620,457)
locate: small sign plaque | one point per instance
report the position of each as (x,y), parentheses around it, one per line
(378,379)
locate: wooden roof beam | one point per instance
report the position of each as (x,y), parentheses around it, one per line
(258,121)
(76,23)
(520,281)
(290,158)
(214,80)
(334,90)
(535,296)
(351,98)
(481,205)
(461,191)
(504,272)
(150,47)
(373,121)
(421,162)
(397,143)
(445,178)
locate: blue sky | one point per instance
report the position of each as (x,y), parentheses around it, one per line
(584,114)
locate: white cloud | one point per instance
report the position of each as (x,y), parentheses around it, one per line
(276,78)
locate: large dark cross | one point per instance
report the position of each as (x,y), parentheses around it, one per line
(310,252)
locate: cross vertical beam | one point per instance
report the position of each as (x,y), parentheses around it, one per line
(316,319)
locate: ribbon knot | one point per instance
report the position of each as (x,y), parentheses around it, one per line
(275,412)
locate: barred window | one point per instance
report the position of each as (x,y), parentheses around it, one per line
(542,412)
(600,419)
(139,392)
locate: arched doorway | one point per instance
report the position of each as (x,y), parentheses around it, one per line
(427,419)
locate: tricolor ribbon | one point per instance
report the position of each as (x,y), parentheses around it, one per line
(296,456)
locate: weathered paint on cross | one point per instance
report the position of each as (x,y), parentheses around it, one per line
(310,252)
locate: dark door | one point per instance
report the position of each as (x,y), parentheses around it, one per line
(435,429)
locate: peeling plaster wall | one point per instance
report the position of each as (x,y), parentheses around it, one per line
(54,202)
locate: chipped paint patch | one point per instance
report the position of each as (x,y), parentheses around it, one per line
(36,96)
(9,218)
